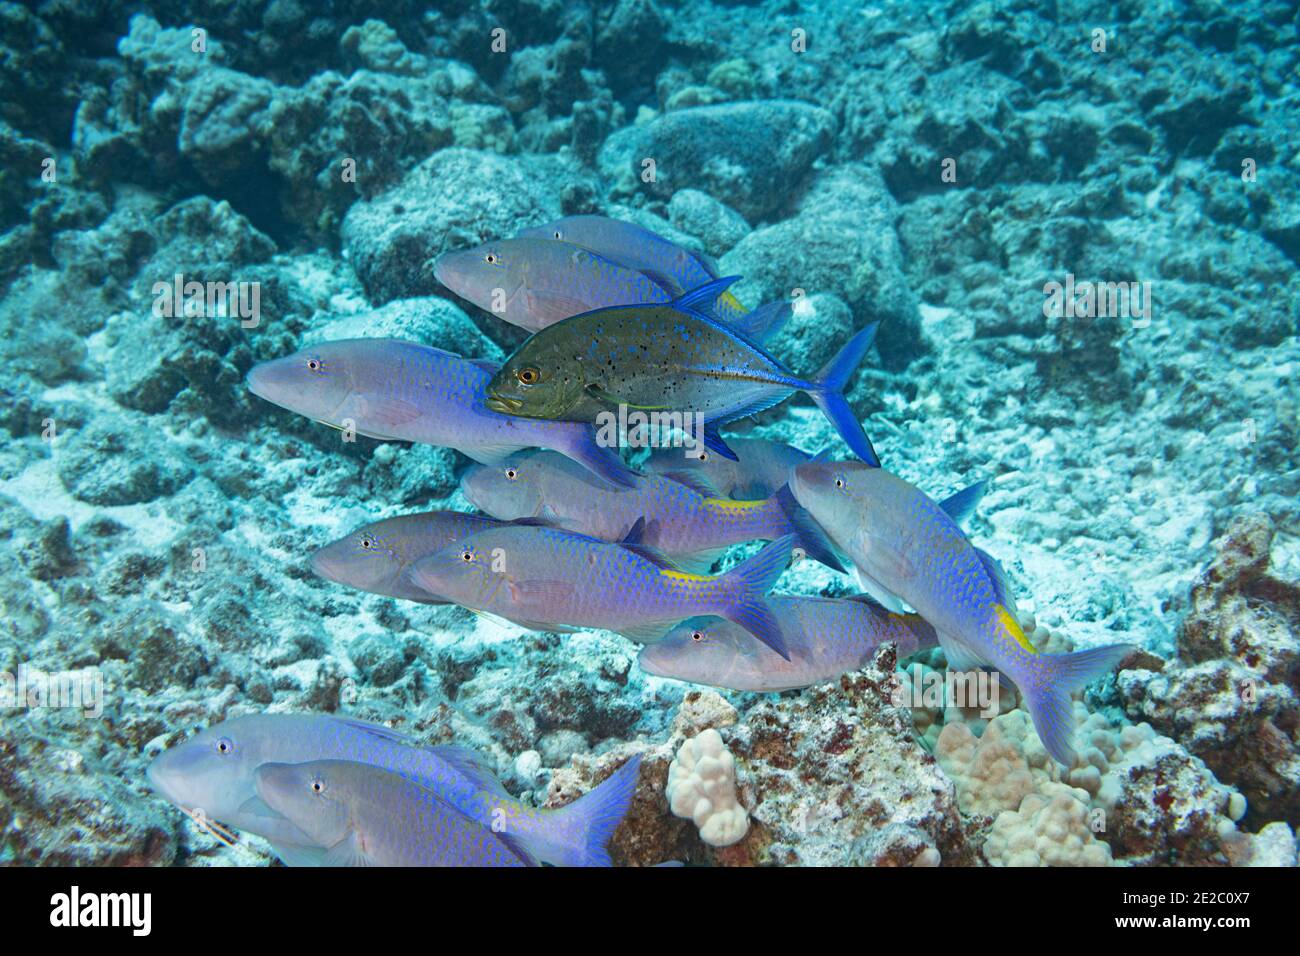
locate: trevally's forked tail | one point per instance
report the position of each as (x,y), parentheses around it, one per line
(1051,681)
(826,389)
(752,579)
(578,834)
(828,392)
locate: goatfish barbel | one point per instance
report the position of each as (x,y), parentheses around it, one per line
(211,777)
(904,544)
(667,357)
(690,529)
(400,391)
(826,637)
(375,557)
(547,579)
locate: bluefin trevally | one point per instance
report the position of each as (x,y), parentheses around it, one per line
(667,357)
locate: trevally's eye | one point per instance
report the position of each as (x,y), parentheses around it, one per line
(558,234)
(315,364)
(225,746)
(512,473)
(317,785)
(839,481)
(704,456)
(367,543)
(492,258)
(467,556)
(697,636)
(528,376)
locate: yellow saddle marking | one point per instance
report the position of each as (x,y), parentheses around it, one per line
(1012,627)
(686,577)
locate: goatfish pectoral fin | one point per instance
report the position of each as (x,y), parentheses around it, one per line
(1049,685)
(601,461)
(347,852)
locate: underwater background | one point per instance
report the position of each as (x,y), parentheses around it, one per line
(965,174)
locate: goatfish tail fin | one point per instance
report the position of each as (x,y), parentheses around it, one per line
(1047,692)
(582,829)
(764,322)
(606,463)
(752,579)
(811,538)
(827,390)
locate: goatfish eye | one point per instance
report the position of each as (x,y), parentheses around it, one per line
(467,556)
(367,543)
(225,746)
(512,474)
(317,785)
(528,376)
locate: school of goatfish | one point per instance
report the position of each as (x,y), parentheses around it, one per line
(572,537)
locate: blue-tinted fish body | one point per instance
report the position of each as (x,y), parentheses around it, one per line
(826,637)
(761,467)
(214,772)
(533,283)
(906,544)
(666,358)
(683,524)
(677,268)
(364,816)
(549,580)
(394,390)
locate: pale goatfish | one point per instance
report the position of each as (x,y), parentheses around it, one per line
(671,358)
(533,283)
(536,282)
(760,469)
(210,777)
(364,816)
(400,391)
(547,579)
(826,637)
(905,545)
(691,530)
(675,268)
(375,556)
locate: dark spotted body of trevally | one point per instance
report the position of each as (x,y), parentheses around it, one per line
(671,358)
